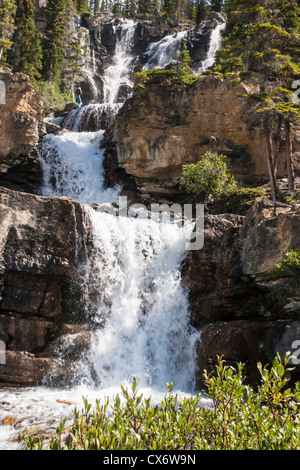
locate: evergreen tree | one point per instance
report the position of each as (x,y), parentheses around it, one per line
(183,68)
(129,8)
(25,54)
(216,5)
(144,6)
(75,56)
(7,11)
(96,6)
(261,36)
(201,10)
(169,7)
(191,10)
(155,7)
(82,6)
(53,53)
(117,7)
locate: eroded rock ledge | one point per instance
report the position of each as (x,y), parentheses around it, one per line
(163,127)
(20,129)
(40,249)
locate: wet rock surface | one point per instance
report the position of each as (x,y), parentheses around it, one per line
(40,249)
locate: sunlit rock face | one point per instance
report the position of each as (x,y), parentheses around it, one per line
(20,130)
(168,126)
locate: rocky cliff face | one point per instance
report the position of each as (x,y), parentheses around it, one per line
(246,312)
(163,127)
(20,129)
(104,29)
(40,248)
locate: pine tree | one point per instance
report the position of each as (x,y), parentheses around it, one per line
(169,7)
(53,53)
(155,7)
(117,7)
(144,6)
(261,36)
(201,10)
(75,56)
(82,6)
(7,11)
(96,6)
(184,70)
(25,54)
(216,5)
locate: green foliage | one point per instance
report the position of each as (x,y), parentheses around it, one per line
(7,11)
(25,54)
(261,37)
(54,53)
(51,94)
(236,201)
(209,176)
(241,417)
(180,75)
(165,77)
(75,56)
(294,197)
(290,265)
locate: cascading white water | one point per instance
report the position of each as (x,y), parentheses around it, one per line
(117,75)
(215,44)
(72,165)
(141,305)
(165,51)
(116,79)
(132,274)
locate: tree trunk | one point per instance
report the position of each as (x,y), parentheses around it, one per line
(270,161)
(277,143)
(289,154)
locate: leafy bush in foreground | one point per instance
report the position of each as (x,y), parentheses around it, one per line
(241,417)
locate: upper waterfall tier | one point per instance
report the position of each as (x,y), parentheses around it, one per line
(108,78)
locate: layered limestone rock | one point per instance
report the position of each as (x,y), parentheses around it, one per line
(163,127)
(20,129)
(246,311)
(40,249)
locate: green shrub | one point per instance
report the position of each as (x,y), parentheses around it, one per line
(237,201)
(289,267)
(51,95)
(209,176)
(291,263)
(241,417)
(295,197)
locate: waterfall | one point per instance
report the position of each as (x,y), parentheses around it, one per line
(142,308)
(117,75)
(162,53)
(117,85)
(72,164)
(131,278)
(215,44)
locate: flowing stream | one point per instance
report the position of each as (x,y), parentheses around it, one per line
(132,276)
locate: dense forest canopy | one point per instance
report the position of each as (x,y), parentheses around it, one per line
(261,36)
